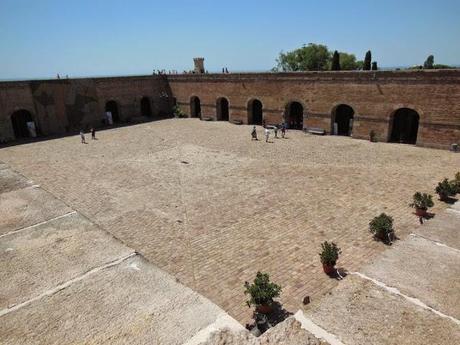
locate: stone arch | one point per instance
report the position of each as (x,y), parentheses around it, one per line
(19,120)
(294,115)
(146,106)
(404,123)
(342,115)
(112,107)
(222,109)
(195,107)
(255,112)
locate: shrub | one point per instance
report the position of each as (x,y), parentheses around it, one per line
(457,182)
(262,291)
(382,228)
(446,188)
(177,111)
(422,201)
(330,253)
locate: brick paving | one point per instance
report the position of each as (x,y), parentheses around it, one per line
(203,202)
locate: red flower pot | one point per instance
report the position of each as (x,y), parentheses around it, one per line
(264,309)
(420,212)
(328,269)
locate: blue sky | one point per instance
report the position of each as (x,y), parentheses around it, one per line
(39,38)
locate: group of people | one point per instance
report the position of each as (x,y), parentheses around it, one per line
(281,127)
(82,135)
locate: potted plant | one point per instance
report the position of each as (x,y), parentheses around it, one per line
(421,203)
(262,293)
(446,189)
(329,256)
(382,228)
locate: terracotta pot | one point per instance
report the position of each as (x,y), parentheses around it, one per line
(328,269)
(264,308)
(420,212)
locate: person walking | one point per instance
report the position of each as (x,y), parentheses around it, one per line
(283,130)
(275,129)
(93,133)
(267,134)
(82,136)
(254,133)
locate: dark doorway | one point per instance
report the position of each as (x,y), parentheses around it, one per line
(294,115)
(342,115)
(146,108)
(222,109)
(195,107)
(404,126)
(255,112)
(112,106)
(19,120)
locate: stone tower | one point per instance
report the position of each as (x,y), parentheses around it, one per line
(199,65)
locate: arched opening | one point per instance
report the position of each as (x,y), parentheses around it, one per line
(23,124)
(195,107)
(294,115)
(255,112)
(146,108)
(112,107)
(342,120)
(404,126)
(222,109)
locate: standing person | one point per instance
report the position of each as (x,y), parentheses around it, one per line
(276,131)
(283,130)
(254,133)
(267,134)
(82,136)
(93,133)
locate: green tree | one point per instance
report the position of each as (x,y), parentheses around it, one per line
(348,62)
(311,57)
(360,64)
(374,66)
(335,65)
(367,61)
(429,62)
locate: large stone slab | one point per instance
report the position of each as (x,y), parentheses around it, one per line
(422,269)
(444,228)
(28,206)
(360,313)
(40,258)
(11,180)
(129,303)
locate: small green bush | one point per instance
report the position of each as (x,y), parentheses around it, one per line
(262,291)
(177,111)
(446,188)
(422,201)
(382,228)
(330,253)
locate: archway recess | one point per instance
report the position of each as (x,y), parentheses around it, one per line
(255,112)
(404,126)
(20,120)
(222,113)
(195,107)
(146,107)
(112,107)
(342,120)
(294,115)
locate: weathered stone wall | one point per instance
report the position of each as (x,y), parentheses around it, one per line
(374,97)
(65,105)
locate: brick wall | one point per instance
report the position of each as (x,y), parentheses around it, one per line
(66,105)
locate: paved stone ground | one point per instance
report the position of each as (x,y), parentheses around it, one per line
(203,202)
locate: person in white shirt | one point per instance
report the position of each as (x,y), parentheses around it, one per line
(267,134)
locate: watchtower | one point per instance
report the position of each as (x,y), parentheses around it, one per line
(199,65)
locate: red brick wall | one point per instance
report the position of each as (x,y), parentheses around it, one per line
(374,96)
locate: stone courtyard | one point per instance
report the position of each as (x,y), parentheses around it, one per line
(211,207)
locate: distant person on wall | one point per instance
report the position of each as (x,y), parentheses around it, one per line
(267,134)
(254,133)
(93,133)
(82,136)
